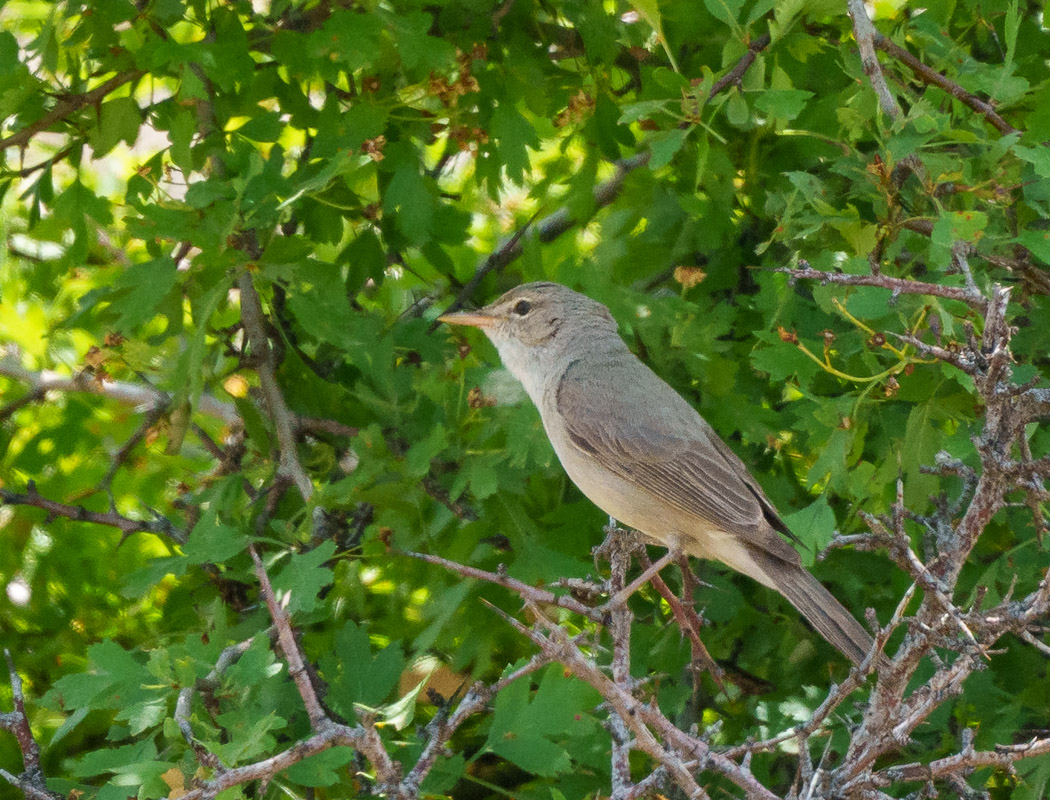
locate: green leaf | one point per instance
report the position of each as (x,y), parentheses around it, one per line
(326,768)
(814,525)
(783,104)
(118,121)
(665,144)
(727,11)
(1038,242)
(213,542)
(145,287)
(299,583)
(523,726)
(515,136)
(409,197)
(355,675)
(967,226)
(321,306)
(419,456)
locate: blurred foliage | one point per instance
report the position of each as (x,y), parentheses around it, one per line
(373,155)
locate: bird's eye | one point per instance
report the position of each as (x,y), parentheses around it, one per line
(522,307)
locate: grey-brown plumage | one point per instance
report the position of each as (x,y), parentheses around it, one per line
(641,453)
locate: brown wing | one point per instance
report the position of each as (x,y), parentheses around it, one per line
(640,429)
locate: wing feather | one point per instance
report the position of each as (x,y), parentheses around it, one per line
(664,446)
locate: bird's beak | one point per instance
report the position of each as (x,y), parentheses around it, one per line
(475,319)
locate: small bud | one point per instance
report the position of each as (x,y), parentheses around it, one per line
(475,399)
(689,276)
(786,335)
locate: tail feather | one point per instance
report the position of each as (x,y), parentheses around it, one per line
(823,611)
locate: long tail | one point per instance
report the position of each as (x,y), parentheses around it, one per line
(823,611)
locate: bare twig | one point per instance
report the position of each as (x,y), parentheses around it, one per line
(289,647)
(68,105)
(733,76)
(227,657)
(547,230)
(865,33)
(894,285)
(618,547)
(524,590)
(127,525)
(31,782)
(262,354)
(440,730)
(927,75)
(132,394)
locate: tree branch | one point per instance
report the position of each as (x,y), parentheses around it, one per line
(927,75)
(31,781)
(865,33)
(128,526)
(895,285)
(263,359)
(67,106)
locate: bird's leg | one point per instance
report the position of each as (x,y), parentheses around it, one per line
(688,621)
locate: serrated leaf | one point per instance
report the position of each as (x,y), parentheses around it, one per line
(118,121)
(148,285)
(814,525)
(326,768)
(967,226)
(212,541)
(665,144)
(304,577)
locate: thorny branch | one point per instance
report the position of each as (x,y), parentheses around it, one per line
(31,781)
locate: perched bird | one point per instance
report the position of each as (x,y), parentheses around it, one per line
(642,454)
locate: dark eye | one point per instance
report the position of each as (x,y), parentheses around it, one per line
(522,307)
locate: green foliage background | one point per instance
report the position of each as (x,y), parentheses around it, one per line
(361,161)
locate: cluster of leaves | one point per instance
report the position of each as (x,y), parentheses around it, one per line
(358,162)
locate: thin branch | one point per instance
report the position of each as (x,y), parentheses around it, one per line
(618,547)
(440,729)
(688,620)
(152,416)
(132,394)
(1002,757)
(227,658)
(733,77)
(524,590)
(67,106)
(331,736)
(548,229)
(927,75)
(289,647)
(128,526)
(895,285)
(865,33)
(262,354)
(31,781)
(639,716)
(61,155)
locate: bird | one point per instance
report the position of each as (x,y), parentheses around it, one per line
(640,452)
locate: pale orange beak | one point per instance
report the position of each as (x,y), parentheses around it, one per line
(475,319)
